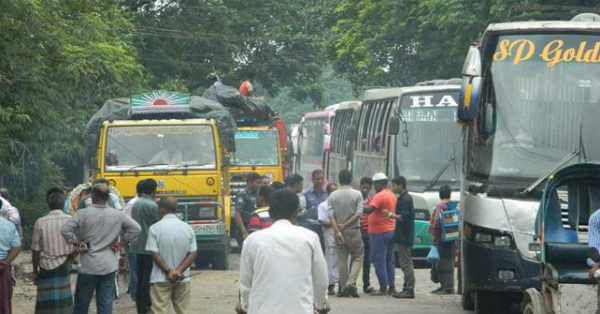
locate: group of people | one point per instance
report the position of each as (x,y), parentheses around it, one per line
(161,245)
(332,232)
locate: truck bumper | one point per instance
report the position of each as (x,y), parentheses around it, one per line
(212,242)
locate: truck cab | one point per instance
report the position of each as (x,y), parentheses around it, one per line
(188,159)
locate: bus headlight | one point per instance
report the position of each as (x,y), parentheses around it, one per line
(502,241)
(506,274)
(483,237)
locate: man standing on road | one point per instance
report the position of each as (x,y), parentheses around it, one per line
(594,242)
(145,213)
(404,235)
(282,268)
(314,196)
(95,231)
(447,250)
(10,246)
(345,208)
(366,185)
(331,255)
(260,218)
(10,212)
(51,259)
(381,232)
(245,205)
(172,244)
(132,257)
(295,182)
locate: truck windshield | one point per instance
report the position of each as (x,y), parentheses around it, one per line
(433,138)
(164,147)
(255,148)
(539,103)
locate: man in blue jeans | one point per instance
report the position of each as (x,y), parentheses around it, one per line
(381,232)
(95,231)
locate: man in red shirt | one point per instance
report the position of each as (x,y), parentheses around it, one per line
(261,219)
(247,89)
(381,232)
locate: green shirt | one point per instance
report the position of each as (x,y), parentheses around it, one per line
(145,213)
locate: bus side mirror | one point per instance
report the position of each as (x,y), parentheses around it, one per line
(394,126)
(471,87)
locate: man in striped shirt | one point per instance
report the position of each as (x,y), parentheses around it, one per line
(52,260)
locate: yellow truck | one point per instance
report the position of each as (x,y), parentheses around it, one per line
(260,151)
(181,141)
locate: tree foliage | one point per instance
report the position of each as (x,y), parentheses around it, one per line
(390,42)
(58,59)
(274,40)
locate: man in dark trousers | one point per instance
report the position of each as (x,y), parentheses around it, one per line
(145,213)
(404,235)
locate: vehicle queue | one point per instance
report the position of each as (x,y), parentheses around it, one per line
(515,136)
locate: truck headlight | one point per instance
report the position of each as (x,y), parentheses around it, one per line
(502,241)
(483,237)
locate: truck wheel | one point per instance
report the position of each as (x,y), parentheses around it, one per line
(467,302)
(221,260)
(202,260)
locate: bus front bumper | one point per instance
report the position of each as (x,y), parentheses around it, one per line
(496,269)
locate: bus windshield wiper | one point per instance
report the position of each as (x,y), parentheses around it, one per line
(561,163)
(439,174)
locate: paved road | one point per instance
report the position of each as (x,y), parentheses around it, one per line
(216,292)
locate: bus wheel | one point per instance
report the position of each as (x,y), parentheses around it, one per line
(484,302)
(528,309)
(467,302)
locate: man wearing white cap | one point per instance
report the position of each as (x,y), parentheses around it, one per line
(381,232)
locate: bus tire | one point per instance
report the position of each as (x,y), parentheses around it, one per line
(528,309)
(467,302)
(484,302)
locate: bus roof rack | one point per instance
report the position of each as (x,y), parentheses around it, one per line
(452,81)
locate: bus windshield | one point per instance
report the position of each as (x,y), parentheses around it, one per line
(540,103)
(255,148)
(160,147)
(429,139)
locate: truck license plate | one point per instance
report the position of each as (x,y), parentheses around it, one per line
(208,229)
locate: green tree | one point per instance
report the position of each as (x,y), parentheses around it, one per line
(275,40)
(58,61)
(394,43)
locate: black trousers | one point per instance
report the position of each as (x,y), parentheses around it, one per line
(144,269)
(366,262)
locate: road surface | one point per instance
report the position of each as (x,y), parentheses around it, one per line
(216,292)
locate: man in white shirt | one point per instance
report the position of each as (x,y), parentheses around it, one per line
(283,269)
(172,244)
